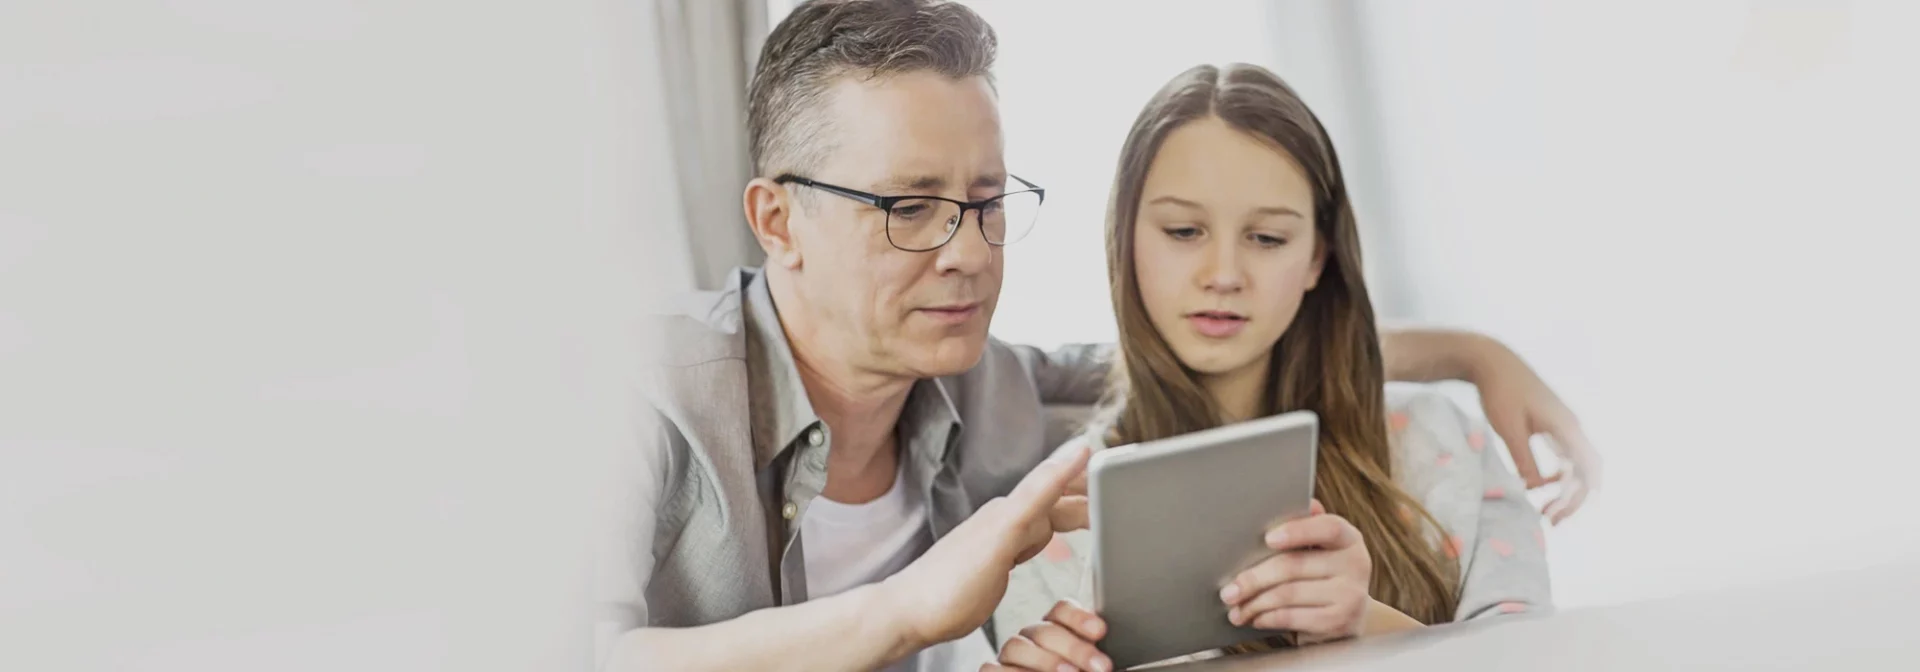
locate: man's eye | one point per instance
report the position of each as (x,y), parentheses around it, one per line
(910,210)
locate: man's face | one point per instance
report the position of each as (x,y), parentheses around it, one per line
(885,310)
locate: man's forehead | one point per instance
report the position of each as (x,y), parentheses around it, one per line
(917,131)
(971,94)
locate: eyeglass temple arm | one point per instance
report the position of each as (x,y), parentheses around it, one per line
(857,195)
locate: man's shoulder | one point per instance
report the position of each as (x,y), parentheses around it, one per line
(694,328)
(695,367)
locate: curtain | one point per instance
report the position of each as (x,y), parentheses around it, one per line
(706,50)
(1322,52)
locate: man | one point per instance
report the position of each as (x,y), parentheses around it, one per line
(842,466)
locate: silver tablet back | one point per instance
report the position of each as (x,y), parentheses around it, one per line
(1174,520)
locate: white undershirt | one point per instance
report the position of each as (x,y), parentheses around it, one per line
(850,545)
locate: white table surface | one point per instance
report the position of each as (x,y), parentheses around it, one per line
(1856,620)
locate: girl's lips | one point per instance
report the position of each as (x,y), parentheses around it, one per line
(1217,324)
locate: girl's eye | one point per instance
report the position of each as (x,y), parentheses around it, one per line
(1265,240)
(1183,232)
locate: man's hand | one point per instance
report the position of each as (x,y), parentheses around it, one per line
(1316,585)
(1519,405)
(953,588)
(1070,512)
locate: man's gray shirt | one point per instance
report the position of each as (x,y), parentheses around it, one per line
(731,454)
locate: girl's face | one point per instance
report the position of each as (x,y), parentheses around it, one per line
(1224,246)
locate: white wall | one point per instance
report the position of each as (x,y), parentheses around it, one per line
(304,314)
(1695,219)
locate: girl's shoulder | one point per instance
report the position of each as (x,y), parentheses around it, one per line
(1431,434)
(1443,456)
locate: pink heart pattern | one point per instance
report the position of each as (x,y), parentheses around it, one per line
(1502,547)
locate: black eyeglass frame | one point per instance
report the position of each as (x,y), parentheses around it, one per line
(886,203)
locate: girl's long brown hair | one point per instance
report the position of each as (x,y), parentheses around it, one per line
(1327,361)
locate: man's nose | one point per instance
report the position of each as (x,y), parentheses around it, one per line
(967,252)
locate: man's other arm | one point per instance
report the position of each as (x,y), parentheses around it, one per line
(1078,374)
(1070,375)
(1515,400)
(1419,355)
(848,631)
(794,637)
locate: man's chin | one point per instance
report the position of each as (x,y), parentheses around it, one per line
(947,357)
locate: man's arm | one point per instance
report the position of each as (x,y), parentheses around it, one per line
(863,632)
(946,593)
(1429,355)
(1076,374)
(1071,375)
(1516,401)
(854,630)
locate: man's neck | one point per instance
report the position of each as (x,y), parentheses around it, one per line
(862,408)
(1239,393)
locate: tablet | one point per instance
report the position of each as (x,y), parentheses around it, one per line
(1174,520)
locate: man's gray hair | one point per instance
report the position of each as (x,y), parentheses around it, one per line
(823,40)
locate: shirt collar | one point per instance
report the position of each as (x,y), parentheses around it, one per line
(780,408)
(929,424)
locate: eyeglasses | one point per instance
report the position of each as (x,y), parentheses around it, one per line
(924,223)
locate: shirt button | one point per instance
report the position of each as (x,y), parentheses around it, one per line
(790,510)
(815,437)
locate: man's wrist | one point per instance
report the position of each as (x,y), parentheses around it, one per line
(1469,355)
(881,608)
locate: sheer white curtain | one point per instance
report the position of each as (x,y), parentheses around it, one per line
(1319,47)
(704,51)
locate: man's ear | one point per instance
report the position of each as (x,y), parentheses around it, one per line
(769,209)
